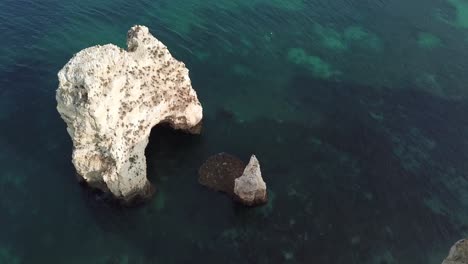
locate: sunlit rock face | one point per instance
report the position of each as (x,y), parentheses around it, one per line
(458,253)
(250,187)
(110,99)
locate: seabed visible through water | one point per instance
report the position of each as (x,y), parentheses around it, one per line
(355,109)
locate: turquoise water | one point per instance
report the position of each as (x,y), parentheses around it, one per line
(356,110)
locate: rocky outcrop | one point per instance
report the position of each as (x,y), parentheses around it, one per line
(226,173)
(458,253)
(110,99)
(250,187)
(219,172)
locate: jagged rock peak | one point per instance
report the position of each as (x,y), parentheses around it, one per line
(250,188)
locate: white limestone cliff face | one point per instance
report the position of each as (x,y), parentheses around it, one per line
(110,99)
(250,188)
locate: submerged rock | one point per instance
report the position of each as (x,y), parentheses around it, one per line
(111,98)
(219,172)
(250,187)
(458,253)
(226,173)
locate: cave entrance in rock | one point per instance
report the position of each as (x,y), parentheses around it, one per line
(171,153)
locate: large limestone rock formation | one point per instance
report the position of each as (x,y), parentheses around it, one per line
(458,253)
(111,98)
(250,187)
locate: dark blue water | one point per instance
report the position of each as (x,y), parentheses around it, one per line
(356,110)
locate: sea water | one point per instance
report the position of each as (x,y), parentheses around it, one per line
(356,109)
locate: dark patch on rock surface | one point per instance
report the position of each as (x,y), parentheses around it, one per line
(196,130)
(219,172)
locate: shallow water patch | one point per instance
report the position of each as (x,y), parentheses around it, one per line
(351,36)
(461,10)
(428,41)
(318,67)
